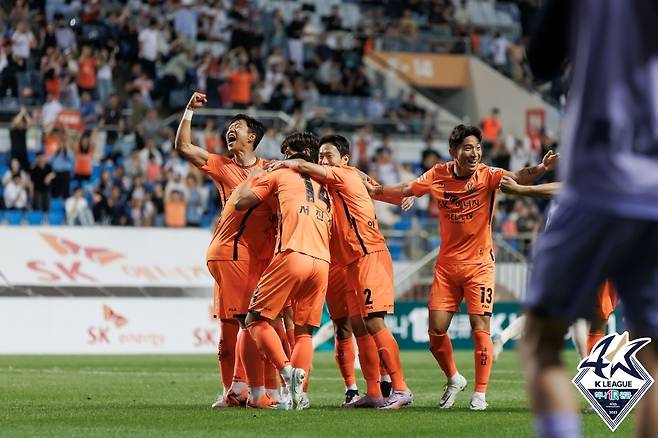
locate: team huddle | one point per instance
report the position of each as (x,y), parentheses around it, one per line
(295,233)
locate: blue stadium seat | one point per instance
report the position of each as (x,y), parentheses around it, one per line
(4,159)
(57,205)
(34,217)
(434,242)
(14,217)
(31,156)
(2,216)
(56,218)
(96,173)
(396,250)
(403,224)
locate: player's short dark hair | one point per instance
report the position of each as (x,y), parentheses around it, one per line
(341,143)
(298,141)
(253,125)
(460,132)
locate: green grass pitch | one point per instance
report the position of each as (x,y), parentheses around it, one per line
(89,396)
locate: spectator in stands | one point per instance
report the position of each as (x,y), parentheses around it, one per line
(408,27)
(23,41)
(360,148)
(42,176)
(429,156)
(149,211)
(295,33)
(62,163)
(63,33)
(87,71)
(10,66)
(138,190)
(153,171)
(141,82)
(196,202)
(158,203)
(50,110)
(491,129)
(106,63)
(211,137)
(241,83)
(132,164)
(15,193)
(375,108)
(84,156)
(461,16)
(113,119)
(87,111)
(149,46)
(77,210)
(333,22)
(186,19)
(500,155)
(175,183)
(385,169)
(150,149)
(173,74)
(15,169)
(18,136)
(70,97)
(178,164)
(521,155)
(138,108)
(499,48)
(175,209)
(115,212)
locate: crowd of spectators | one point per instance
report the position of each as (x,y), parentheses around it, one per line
(98,78)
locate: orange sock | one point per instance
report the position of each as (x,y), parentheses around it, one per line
(483,359)
(268,343)
(441,348)
(226,350)
(290,334)
(369,359)
(281,332)
(271,375)
(389,353)
(592,339)
(302,353)
(239,374)
(251,359)
(344,355)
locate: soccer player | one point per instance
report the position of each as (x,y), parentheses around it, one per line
(369,265)
(242,137)
(465,189)
(298,272)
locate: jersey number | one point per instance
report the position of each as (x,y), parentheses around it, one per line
(310,195)
(368,294)
(485,295)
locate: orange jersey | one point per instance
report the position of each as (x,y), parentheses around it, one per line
(227,174)
(304,212)
(241,233)
(356,226)
(466,209)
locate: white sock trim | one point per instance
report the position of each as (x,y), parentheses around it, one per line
(188,114)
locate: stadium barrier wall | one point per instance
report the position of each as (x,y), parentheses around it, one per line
(104,257)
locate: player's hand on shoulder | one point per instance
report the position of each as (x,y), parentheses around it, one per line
(256,172)
(550,160)
(198,100)
(275,164)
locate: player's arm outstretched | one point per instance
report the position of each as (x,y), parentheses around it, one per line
(530,174)
(511,187)
(194,154)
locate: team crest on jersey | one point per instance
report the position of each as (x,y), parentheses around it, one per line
(612,379)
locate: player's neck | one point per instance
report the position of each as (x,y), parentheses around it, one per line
(245,158)
(459,172)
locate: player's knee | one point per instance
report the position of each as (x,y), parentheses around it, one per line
(480,322)
(375,322)
(541,343)
(358,326)
(342,328)
(437,331)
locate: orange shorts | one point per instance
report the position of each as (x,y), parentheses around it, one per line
(297,276)
(342,300)
(371,277)
(234,284)
(606,300)
(473,283)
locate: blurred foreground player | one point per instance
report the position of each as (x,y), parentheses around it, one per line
(606,222)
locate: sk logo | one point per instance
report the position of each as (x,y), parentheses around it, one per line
(612,379)
(111,315)
(64,247)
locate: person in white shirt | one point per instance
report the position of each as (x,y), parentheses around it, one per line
(15,194)
(23,40)
(77,210)
(50,110)
(499,48)
(149,44)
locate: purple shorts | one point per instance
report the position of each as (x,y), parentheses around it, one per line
(579,249)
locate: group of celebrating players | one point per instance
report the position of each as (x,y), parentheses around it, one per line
(297,232)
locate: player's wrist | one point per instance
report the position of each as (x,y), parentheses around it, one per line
(188,114)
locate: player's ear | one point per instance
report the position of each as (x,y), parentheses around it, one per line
(345,159)
(452,150)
